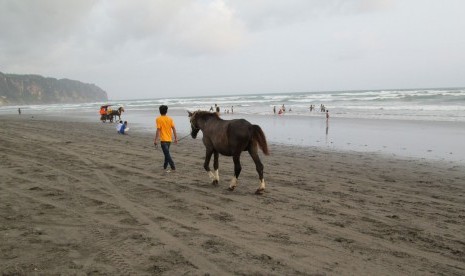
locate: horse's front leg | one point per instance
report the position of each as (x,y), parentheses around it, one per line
(237,172)
(206,165)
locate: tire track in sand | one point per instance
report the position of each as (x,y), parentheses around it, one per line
(154,229)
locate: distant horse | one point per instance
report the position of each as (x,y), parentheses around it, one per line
(229,138)
(115,113)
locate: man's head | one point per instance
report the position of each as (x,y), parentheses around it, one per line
(163,109)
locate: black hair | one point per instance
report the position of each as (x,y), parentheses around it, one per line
(163,109)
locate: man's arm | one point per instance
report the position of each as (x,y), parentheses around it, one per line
(175,135)
(157,136)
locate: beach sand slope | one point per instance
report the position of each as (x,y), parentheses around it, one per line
(77,198)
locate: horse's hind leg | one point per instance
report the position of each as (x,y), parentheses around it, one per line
(216,166)
(237,172)
(259,167)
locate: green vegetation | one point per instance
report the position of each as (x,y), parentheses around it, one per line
(35,89)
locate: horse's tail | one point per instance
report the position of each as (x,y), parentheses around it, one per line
(259,137)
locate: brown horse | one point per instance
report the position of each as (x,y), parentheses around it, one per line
(115,113)
(229,138)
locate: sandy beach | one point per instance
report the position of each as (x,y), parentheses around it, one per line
(76,198)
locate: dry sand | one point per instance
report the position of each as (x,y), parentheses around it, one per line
(77,198)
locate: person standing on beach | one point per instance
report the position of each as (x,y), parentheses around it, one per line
(274,109)
(165,127)
(19,111)
(327,115)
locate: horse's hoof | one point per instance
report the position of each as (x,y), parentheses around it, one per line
(232,188)
(259,191)
(215,182)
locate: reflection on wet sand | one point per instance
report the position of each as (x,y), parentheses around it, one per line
(327,130)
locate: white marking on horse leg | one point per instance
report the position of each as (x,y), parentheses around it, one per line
(262,185)
(261,188)
(233,183)
(211,175)
(217,175)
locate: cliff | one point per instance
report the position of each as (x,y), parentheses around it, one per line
(35,89)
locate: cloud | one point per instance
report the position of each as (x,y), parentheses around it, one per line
(264,14)
(374,6)
(25,25)
(47,33)
(33,31)
(211,27)
(53,31)
(199,46)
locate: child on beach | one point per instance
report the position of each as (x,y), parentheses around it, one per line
(118,126)
(165,126)
(124,128)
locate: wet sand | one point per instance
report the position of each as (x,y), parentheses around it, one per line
(430,140)
(77,198)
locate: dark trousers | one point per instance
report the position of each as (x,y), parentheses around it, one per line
(165,147)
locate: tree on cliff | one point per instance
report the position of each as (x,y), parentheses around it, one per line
(35,89)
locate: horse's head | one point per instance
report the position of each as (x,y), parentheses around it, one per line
(194,125)
(121,109)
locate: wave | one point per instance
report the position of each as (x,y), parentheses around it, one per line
(433,104)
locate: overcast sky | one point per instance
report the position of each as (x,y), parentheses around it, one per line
(158,48)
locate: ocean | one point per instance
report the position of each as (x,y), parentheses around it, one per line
(419,123)
(445,104)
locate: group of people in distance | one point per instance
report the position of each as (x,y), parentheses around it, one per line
(217,109)
(282,110)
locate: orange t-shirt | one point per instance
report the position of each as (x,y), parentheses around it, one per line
(165,124)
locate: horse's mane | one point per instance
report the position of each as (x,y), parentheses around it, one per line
(204,115)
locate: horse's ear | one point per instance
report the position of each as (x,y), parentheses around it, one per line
(190,113)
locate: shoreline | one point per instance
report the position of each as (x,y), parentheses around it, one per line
(79,198)
(429,140)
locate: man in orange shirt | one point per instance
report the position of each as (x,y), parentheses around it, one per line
(165,125)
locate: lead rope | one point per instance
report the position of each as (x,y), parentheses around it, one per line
(184,137)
